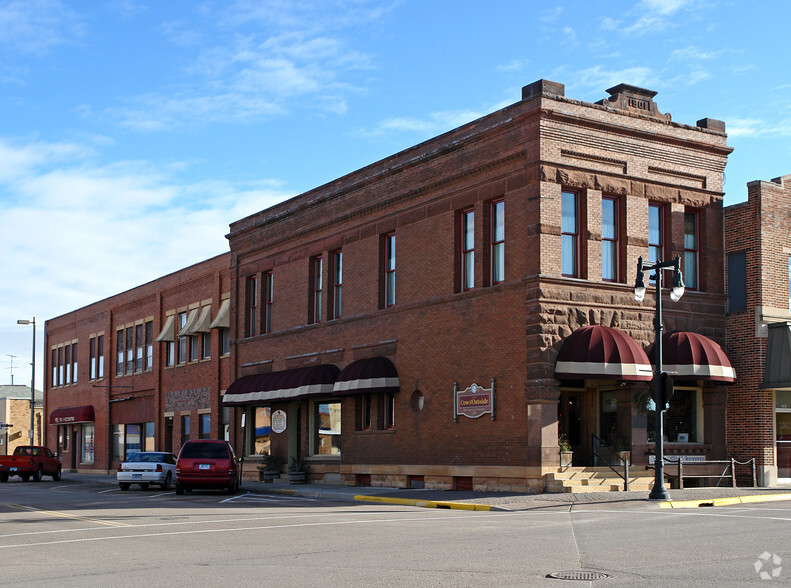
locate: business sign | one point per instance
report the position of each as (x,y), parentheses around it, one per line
(474,401)
(279,421)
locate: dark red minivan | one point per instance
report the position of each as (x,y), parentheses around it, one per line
(207,463)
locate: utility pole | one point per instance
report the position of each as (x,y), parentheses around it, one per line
(13,357)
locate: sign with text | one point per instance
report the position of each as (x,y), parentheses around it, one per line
(474,401)
(279,421)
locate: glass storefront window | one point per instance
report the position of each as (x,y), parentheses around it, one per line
(260,433)
(327,428)
(118,443)
(87,444)
(150,442)
(682,418)
(133,439)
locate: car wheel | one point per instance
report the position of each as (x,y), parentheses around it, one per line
(144,486)
(179,489)
(57,475)
(4,477)
(123,485)
(166,483)
(38,474)
(233,487)
(25,477)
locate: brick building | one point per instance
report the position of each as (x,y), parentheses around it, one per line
(15,411)
(506,317)
(508,313)
(758,249)
(140,370)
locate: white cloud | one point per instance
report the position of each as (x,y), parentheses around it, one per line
(35,27)
(597,77)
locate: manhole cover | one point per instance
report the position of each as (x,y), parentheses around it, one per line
(578,575)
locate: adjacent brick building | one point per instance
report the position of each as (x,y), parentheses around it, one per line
(439,317)
(758,249)
(15,417)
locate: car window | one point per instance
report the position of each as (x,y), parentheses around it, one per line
(205,450)
(135,457)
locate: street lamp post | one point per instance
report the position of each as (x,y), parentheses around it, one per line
(32,378)
(659,492)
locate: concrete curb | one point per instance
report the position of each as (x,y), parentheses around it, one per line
(424,503)
(726,501)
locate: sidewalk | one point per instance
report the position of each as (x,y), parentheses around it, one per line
(500,501)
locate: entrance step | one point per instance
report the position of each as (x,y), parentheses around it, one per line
(596,479)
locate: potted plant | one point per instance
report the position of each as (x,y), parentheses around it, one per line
(565,451)
(269,468)
(623,449)
(297,472)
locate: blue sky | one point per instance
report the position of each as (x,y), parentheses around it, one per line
(133,132)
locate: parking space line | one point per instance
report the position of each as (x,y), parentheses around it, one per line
(65,515)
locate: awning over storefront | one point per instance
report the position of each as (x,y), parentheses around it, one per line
(373,374)
(285,385)
(778,357)
(71,415)
(189,326)
(223,318)
(168,332)
(602,353)
(690,356)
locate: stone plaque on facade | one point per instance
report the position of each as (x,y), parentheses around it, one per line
(279,421)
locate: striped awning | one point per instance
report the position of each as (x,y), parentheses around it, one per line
(602,353)
(691,356)
(284,385)
(372,374)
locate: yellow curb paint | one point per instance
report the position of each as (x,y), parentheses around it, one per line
(423,503)
(726,501)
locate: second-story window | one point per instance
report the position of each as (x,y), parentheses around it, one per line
(130,350)
(336,305)
(691,247)
(74,363)
(656,233)
(182,351)
(139,348)
(251,314)
(609,239)
(67,364)
(497,242)
(569,227)
(149,345)
(119,352)
(467,249)
(92,358)
(317,266)
(389,269)
(100,356)
(269,297)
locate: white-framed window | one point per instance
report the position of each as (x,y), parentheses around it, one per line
(569,227)
(497,244)
(467,253)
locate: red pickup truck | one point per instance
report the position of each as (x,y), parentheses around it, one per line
(30,461)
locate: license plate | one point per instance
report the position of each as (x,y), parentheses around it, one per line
(204,466)
(137,476)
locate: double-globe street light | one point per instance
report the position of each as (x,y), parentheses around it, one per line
(32,378)
(661,380)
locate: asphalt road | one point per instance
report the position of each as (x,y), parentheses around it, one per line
(80,534)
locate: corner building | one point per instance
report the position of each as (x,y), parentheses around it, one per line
(439,317)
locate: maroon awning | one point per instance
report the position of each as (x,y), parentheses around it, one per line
(284,385)
(690,356)
(372,374)
(71,415)
(602,353)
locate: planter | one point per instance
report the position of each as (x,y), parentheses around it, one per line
(268,475)
(297,477)
(565,459)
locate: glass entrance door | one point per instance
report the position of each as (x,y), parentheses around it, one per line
(783,440)
(570,422)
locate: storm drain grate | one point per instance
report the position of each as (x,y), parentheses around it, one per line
(578,575)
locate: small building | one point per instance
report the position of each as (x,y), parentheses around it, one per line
(15,417)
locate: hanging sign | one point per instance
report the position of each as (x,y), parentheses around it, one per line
(279,421)
(474,401)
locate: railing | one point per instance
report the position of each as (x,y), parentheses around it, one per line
(600,446)
(711,470)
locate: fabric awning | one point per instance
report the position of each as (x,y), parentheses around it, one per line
(777,374)
(223,318)
(602,353)
(168,332)
(71,415)
(189,326)
(204,320)
(373,374)
(691,356)
(285,385)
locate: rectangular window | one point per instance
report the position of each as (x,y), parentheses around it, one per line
(389,269)
(336,304)
(139,348)
(119,453)
(100,354)
(61,380)
(327,428)
(225,341)
(194,347)
(54,363)
(317,266)
(269,297)
(363,403)
(205,345)
(691,247)
(134,439)
(149,345)
(130,350)
(656,233)
(119,352)
(185,429)
(92,358)
(569,227)
(388,410)
(170,353)
(67,364)
(181,323)
(737,281)
(204,426)
(251,310)
(74,363)
(498,242)
(87,450)
(260,438)
(609,239)
(467,257)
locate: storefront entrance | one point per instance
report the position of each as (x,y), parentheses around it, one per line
(783,435)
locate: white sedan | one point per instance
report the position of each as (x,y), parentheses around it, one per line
(147,467)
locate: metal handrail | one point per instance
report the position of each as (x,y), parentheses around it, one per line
(730,464)
(597,443)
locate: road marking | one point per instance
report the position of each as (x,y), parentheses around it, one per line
(65,515)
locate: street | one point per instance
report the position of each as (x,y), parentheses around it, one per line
(76,534)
